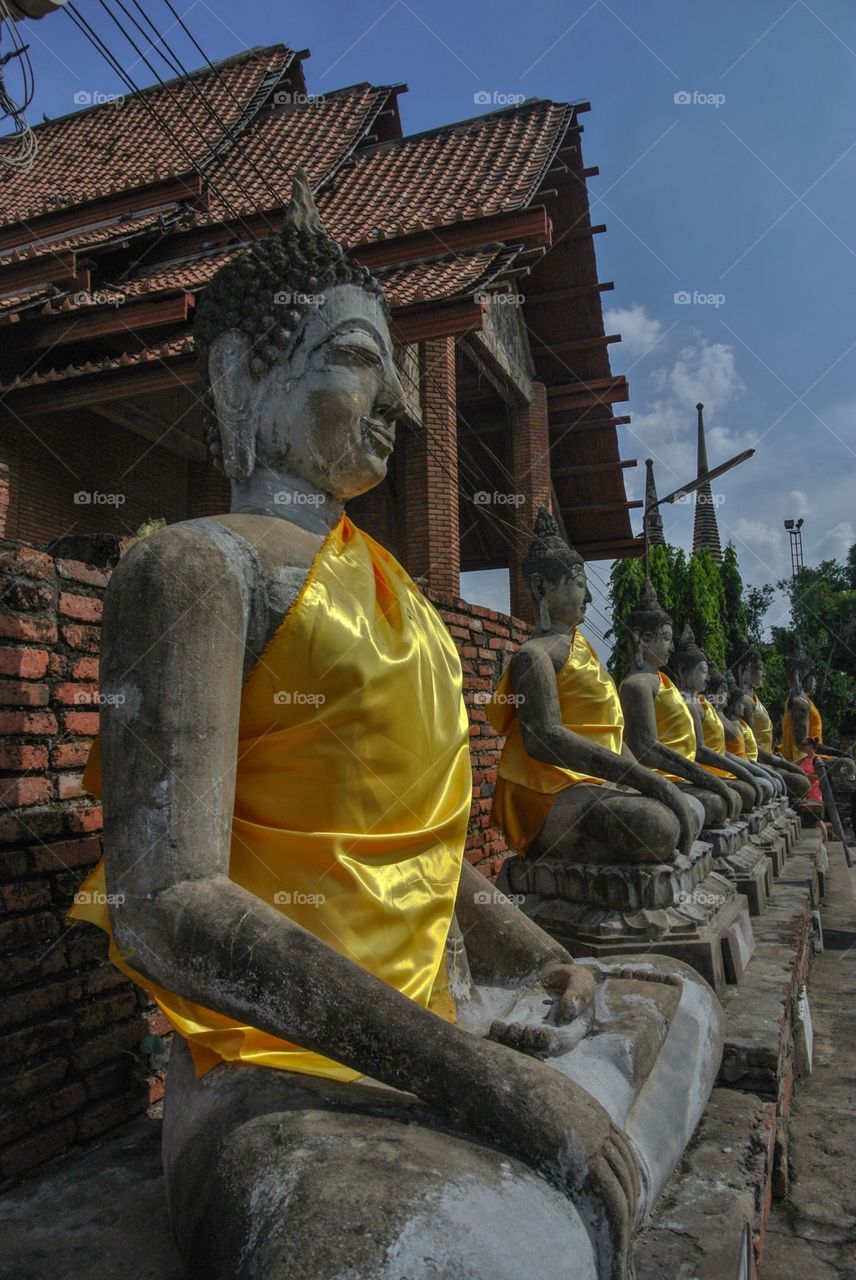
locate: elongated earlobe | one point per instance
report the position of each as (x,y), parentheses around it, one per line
(227,371)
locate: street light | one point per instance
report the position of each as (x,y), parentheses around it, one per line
(794,528)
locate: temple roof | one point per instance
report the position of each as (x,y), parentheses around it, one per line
(121,232)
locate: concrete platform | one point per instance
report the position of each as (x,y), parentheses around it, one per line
(711,1221)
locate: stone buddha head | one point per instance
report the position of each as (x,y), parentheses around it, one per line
(749,670)
(556,577)
(801,673)
(689,664)
(650,630)
(737,702)
(296,361)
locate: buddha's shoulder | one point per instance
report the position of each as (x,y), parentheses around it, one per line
(248,549)
(539,651)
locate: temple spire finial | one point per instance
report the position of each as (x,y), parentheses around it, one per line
(653,515)
(705,525)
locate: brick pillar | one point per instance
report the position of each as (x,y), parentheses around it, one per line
(208,492)
(530,467)
(4,497)
(431,541)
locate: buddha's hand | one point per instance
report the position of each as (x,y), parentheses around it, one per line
(549,1018)
(659,788)
(531,1111)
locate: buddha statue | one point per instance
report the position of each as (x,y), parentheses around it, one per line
(659,725)
(740,740)
(689,666)
(284,764)
(801,721)
(749,673)
(567,780)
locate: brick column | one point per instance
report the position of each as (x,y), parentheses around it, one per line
(431,542)
(4,498)
(530,466)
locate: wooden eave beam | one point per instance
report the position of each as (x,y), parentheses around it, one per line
(618,550)
(588,424)
(172,190)
(585,395)
(579,344)
(446,319)
(111,384)
(86,323)
(17,277)
(589,468)
(531,227)
(602,506)
(562,295)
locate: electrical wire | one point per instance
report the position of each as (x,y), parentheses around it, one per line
(19,149)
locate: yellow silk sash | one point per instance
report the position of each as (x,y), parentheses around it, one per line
(749,742)
(714,736)
(675,726)
(815,730)
(526,787)
(763,726)
(352,792)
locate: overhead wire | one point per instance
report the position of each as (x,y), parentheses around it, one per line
(19,149)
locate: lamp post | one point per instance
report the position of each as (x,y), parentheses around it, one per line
(688,488)
(794,528)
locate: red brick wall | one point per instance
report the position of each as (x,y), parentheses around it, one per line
(54,457)
(70,1026)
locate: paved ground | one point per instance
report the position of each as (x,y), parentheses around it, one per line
(812,1235)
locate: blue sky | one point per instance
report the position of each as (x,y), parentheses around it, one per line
(739,190)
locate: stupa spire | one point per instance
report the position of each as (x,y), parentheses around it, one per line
(705,526)
(653,514)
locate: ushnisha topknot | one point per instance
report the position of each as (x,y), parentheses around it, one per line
(688,654)
(266,291)
(649,615)
(549,554)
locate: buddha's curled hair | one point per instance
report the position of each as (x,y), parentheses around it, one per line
(266,291)
(649,615)
(688,654)
(548,553)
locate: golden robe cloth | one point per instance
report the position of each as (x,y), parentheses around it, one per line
(675,725)
(763,726)
(749,742)
(352,793)
(526,787)
(790,750)
(714,736)
(737,745)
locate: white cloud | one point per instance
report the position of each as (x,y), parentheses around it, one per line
(639,331)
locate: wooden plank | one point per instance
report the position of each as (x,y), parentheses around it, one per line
(588,395)
(49,268)
(562,295)
(93,322)
(589,424)
(574,510)
(115,204)
(97,388)
(521,226)
(587,468)
(579,344)
(454,316)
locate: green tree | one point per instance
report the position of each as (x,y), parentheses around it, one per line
(625,583)
(706,605)
(736,617)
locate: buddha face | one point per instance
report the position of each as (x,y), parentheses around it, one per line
(567,598)
(695,678)
(755,673)
(326,411)
(656,647)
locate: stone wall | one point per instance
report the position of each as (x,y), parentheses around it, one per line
(76,1039)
